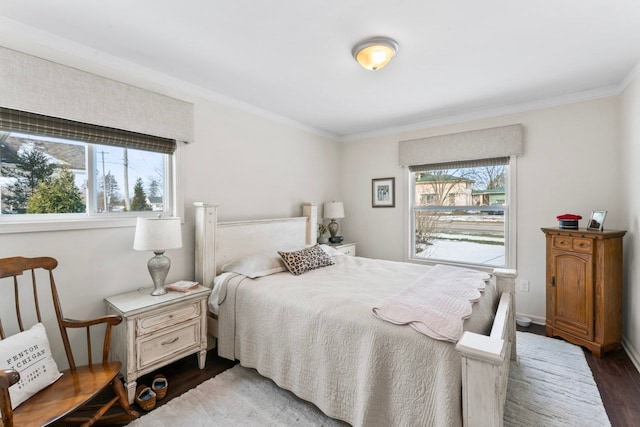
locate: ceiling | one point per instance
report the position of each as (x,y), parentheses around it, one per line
(292,58)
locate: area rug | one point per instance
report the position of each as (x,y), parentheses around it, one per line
(550,385)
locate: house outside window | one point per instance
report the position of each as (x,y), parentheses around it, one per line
(467,223)
(54,168)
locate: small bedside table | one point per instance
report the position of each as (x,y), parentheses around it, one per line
(157,330)
(347,248)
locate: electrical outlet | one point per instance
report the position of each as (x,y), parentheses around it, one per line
(524,286)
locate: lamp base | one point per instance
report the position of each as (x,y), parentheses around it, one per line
(158,291)
(158,269)
(333,228)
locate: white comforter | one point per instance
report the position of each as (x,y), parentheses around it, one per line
(316,335)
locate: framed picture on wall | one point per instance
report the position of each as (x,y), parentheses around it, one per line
(383,193)
(596,222)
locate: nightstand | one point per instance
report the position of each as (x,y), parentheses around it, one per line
(157,330)
(347,248)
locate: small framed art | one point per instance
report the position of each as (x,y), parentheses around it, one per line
(383,193)
(596,222)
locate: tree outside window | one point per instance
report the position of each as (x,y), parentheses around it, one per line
(42,175)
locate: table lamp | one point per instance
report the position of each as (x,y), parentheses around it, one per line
(157,235)
(333,210)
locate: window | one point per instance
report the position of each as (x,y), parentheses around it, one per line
(459,212)
(53,168)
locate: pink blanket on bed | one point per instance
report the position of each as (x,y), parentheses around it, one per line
(436,303)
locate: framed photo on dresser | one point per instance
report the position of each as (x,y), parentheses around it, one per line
(596,221)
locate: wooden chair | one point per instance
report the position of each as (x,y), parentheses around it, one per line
(79,385)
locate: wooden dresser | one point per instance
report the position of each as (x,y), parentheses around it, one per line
(584,287)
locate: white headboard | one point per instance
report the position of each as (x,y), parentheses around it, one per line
(217,243)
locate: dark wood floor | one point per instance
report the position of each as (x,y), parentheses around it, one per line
(616,376)
(184,375)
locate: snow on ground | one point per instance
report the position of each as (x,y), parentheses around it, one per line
(6,181)
(460,240)
(474,218)
(450,236)
(471,252)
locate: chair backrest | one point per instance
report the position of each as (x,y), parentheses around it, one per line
(24,274)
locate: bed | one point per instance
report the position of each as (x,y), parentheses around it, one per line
(315,334)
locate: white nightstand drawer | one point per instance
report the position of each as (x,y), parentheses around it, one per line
(147,324)
(158,347)
(347,249)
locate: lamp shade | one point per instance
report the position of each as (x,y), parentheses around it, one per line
(333,210)
(157,234)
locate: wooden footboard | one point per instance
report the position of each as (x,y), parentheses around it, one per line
(485,360)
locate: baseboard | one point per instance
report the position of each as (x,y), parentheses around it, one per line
(534,319)
(632,353)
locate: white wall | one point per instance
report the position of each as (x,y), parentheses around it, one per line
(630,137)
(571,165)
(252,166)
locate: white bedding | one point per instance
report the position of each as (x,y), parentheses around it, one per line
(436,303)
(316,335)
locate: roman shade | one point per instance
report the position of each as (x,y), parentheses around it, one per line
(489,143)
(460,164)
(38,124)
(35,85)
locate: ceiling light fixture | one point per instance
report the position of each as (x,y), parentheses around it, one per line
(375,53)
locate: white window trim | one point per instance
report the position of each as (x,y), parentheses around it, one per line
(32,223)
(510,223)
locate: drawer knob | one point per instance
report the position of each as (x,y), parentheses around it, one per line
(171,341)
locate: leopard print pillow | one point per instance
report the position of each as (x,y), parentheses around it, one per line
(301,261)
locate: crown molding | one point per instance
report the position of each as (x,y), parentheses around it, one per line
(635,70)
(488,112)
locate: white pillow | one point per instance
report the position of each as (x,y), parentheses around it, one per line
(28,353)
(256,265)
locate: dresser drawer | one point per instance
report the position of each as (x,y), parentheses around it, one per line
(348,250)
(582,245)
(158,347)
(567,243)
(163,319)
(562,242)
